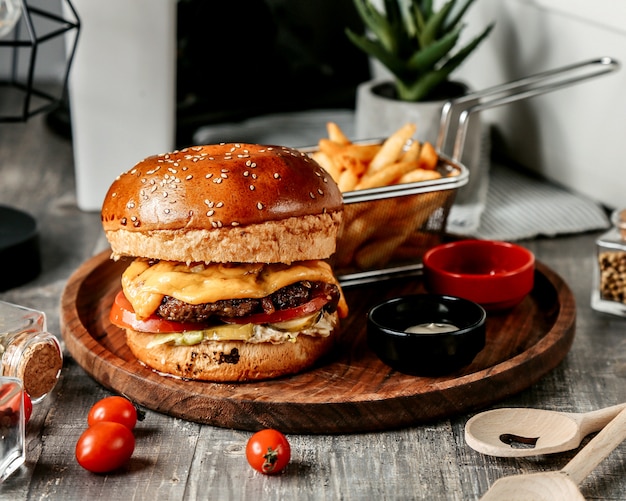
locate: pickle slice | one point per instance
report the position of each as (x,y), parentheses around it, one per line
(297,324)
(226,332)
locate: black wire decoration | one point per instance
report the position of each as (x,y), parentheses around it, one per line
(30,41)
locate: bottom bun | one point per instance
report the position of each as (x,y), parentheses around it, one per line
(230,361)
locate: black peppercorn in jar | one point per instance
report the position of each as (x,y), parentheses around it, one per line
(609,291)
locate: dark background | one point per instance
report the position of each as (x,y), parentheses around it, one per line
(244,58)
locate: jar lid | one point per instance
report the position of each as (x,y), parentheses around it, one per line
(618,218)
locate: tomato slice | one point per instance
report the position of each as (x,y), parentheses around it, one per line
(315,304)
(123,315)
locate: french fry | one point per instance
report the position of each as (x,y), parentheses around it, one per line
(354,234)
(428,157)
(388,175)
(326,163)
(419,175)
(363,152)
(377,253)
(412,153)
(356,165)
(392,147)
(336,134)
(347,180)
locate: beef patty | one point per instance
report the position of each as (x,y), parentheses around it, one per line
(288,297)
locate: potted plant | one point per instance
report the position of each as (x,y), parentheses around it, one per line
(417,43)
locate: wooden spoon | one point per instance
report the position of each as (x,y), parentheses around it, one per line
(562,484)
(511,432)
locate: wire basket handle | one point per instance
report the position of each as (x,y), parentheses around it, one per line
(515,90)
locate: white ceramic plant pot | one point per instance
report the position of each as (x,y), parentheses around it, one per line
(122,90)
(378,114)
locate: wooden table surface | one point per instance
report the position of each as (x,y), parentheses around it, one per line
(177,459)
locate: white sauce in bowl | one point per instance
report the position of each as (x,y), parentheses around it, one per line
(431,328)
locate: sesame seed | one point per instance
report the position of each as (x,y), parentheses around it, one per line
(217,180)
(130,205)
(234,223)
(224,175)
(209,175)
(210,213)
(113,195)
(320,191)
(189,177)
(311,195)
(252,188)
(246,173)
(167,211)
(220,204)
(276,175)
(260,206)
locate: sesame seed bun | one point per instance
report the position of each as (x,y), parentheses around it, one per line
(224,203)
(231,361)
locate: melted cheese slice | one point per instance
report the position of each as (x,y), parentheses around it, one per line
(145,285)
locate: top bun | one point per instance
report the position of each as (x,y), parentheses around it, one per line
(224,203)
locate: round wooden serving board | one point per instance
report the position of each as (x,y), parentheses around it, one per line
(352,391)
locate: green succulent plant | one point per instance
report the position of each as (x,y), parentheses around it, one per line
(415,42)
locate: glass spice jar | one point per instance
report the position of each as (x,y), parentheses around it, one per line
(609,281)
(28,351)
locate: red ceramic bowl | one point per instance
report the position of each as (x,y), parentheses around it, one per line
(496,275)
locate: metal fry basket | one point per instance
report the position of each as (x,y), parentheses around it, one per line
(387,230)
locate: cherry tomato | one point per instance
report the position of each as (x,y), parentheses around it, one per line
(28,407)
(13,405)
(268,451)
(116,409)
(105,447)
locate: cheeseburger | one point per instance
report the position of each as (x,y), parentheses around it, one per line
(228,279)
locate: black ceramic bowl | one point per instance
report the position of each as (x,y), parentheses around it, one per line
(431,353)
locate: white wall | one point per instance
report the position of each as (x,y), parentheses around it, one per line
(575,135)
